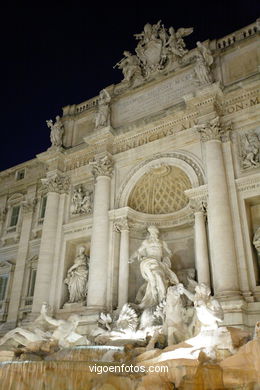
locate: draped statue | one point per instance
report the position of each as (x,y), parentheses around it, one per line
(57,131)
(77,277)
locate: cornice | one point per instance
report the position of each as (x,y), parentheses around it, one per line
(177,219)
(173,123)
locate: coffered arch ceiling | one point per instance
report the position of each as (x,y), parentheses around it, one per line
(160,190)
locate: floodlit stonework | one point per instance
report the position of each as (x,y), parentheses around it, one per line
(174,148)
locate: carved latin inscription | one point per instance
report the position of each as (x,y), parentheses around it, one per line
(153,99)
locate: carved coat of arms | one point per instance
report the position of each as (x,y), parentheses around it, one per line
(158,50)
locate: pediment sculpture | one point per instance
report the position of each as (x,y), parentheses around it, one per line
(159,50)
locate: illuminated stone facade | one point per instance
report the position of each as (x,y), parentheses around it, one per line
(176,144)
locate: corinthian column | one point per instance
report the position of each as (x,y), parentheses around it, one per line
(56,185)
(102,169)
(27,209)
(222,247)
(122,226)
(201,246)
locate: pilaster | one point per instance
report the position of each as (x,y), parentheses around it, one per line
(22,253)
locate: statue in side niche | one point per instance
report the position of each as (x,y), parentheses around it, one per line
(77,277)
(155,266)
(204,61)
(102,117)
(57,131)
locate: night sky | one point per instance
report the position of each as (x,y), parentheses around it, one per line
(59,55)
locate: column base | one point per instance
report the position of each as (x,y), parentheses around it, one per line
(95,309)
(75,306)
(228,295)
(248,297)
(241,314)
(257,295)
(233,311)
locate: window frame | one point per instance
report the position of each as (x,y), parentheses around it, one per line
(14,225)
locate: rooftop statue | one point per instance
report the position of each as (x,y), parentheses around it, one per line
(57,131)
(204,61)
(130,66)
(155,266)
(102,117)
(158,50)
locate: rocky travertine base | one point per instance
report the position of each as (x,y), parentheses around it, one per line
(189,367)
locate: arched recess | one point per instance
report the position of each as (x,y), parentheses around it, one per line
(184,161)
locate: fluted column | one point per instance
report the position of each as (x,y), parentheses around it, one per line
(22,253)
(56,185)
(201,245)
(122,226)
(222,247)
(102,169)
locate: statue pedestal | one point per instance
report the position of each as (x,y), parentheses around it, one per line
(72,307)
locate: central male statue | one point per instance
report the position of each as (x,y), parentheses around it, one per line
(155,266)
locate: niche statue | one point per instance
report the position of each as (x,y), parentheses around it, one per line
(77,277)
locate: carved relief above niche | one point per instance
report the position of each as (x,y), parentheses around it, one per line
(160,191)
(250,149)
(81,200)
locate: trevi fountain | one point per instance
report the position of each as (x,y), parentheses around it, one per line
(130,249)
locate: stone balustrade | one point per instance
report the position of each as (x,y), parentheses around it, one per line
(238,35)
(87,105)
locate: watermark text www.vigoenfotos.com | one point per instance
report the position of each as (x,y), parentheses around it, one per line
(126,369)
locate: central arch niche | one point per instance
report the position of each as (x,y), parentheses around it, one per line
(160,190)
(153,193)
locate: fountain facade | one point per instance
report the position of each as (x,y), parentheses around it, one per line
(138,227)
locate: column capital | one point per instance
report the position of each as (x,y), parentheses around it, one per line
(102,166)
(198,205)
(121,224)
(211,130)
(56,183)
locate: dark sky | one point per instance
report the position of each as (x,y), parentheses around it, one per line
(64,54)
